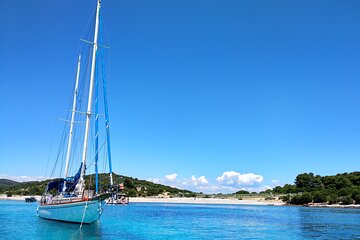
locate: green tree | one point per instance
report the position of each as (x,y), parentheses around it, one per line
(346,200)
(344,192)
(296,200)
(355,190)
(277,189)
(242,192)
(288,188)
(128,184)
(306,198)
(319,197)
(332,199)
(342,182)
(285,198)
(132,193)
(357,199)
(355,178)
(309,182)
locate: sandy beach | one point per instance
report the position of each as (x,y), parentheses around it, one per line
(17,197)
(248,201)
(252,201)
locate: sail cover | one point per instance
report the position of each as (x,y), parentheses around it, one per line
(70,183)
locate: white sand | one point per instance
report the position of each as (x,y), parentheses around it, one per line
(248,201)
(17,197)
(253,201)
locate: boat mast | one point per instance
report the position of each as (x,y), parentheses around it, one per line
(107,127)
(97,128)
(72,119)
(88,113)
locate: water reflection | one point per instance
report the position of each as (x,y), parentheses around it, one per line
(62,230)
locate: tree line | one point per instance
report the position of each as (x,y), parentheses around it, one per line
(132,186)
(341,188)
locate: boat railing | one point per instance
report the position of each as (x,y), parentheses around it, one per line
(49,199)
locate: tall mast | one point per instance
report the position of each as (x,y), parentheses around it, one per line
(88,112)
(97,127)
(107,127)
(72,119)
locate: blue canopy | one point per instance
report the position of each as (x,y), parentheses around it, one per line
(70,183)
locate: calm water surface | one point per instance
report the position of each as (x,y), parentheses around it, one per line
(18,220)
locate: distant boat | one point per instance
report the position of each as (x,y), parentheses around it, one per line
(118,197)
(30,199)
(68,199)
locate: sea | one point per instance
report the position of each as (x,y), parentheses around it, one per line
(18,220)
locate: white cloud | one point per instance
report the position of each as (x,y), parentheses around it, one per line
(209,188)
(198,181)
(202,180)
(169,180)
(22,178)
(235,179)
(171,177)
(257,188)
(228,182)
(194,183)
(198,184)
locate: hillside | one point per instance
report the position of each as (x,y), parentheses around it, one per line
(7,182)
(133,186)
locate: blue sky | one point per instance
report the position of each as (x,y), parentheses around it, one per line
(204,92)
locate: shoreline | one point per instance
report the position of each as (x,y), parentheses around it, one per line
(219,201)
(19,198)
(253,201)
(250,201)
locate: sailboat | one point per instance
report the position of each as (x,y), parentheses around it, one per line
(68,198)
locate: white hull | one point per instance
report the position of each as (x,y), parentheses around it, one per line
(73,212)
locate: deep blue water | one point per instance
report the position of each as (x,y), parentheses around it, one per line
(18,220)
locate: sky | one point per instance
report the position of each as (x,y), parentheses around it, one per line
(206,95)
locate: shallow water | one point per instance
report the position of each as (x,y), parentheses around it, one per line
(18,220)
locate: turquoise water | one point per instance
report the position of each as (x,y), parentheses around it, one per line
(18,220)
